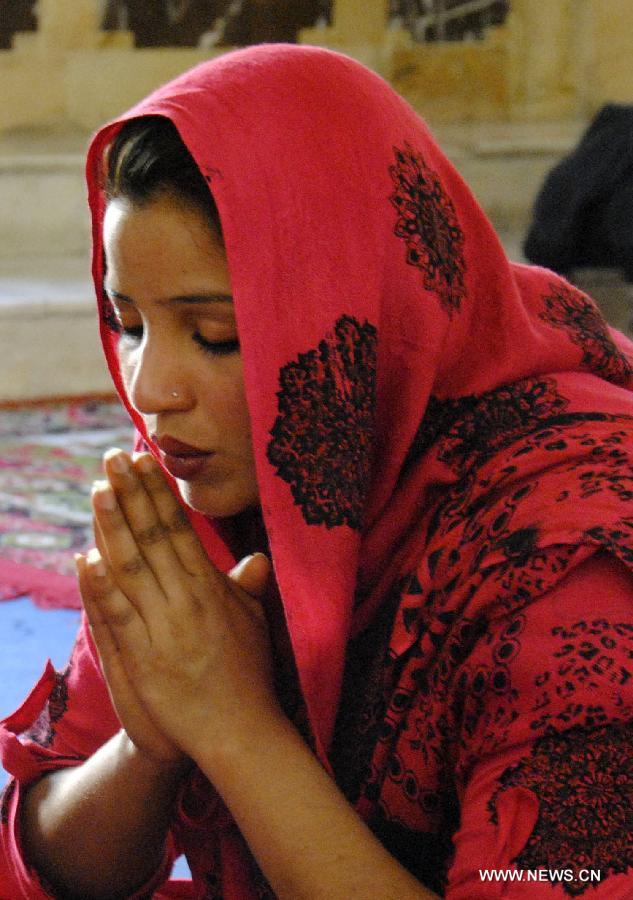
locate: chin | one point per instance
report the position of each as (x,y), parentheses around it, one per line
(217,502)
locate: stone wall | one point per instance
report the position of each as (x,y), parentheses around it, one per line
(560,59)
(611,76)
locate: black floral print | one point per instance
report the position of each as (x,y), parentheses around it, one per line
(428,224)
(322,439)
(472,429)
(584,782)
(450,697)
(592,655)
(570,310)
(43,730)
(618,541)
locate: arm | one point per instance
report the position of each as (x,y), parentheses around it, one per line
(307,839)
(194,644)
(99,829)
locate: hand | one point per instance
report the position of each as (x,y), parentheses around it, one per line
(193,642)
(94,580)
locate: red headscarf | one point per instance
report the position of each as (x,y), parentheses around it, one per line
(428,418)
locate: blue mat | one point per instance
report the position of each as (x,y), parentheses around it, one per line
(28,637)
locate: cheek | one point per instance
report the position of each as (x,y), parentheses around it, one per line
(126,368)
(228,400)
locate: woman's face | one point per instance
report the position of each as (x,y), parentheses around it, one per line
(168,280)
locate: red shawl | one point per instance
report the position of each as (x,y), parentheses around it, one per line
(440,435)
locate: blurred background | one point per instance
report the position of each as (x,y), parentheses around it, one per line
(508,86)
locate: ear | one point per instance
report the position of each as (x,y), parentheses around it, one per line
(252,574)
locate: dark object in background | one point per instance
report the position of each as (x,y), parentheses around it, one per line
(15,15)
(159,23)
(452,20)
(182,23)
(270,21)
(583,215)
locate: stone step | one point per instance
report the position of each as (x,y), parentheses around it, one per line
(48,330)
(43,195)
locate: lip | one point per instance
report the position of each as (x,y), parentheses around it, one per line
(181,460)
(173,447)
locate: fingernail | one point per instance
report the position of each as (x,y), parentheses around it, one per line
(117,460)
(239,567)
(96,563)
(144,462)
(104,498)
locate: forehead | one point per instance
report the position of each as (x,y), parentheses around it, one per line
(161,242)
(166,217)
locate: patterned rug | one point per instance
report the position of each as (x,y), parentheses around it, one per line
(49,457)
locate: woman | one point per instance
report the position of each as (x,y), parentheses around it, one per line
(330,359)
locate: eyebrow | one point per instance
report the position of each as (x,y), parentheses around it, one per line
(179,299)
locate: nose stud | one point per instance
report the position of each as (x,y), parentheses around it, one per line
(174,394)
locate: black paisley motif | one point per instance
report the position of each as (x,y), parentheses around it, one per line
(609,467)
(428,224)
(474,428)
(322,439)
(570,310)
(42,731)
(618,541)
(594,655)
(584,782)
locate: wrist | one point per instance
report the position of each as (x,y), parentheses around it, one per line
(170,767)
(222,757)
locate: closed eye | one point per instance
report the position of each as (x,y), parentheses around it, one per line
(215,348)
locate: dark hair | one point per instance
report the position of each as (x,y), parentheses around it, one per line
(148,157)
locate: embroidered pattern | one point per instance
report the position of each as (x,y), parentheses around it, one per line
(450,695)
(428,224)
(595,656)
(42,731)
(584,782)
(570,310)
(322,439)
(618,541)
(474,428)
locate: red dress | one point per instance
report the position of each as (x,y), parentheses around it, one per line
(443,447)
(529,787)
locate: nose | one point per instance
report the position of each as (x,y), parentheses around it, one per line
(156,380)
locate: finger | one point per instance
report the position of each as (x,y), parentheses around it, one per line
(99,541)
(152,537)
(111,606)
(184,539)
(126,564)
(101,634)
(252,574)
(116,624)
(108,654)
(95,619)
